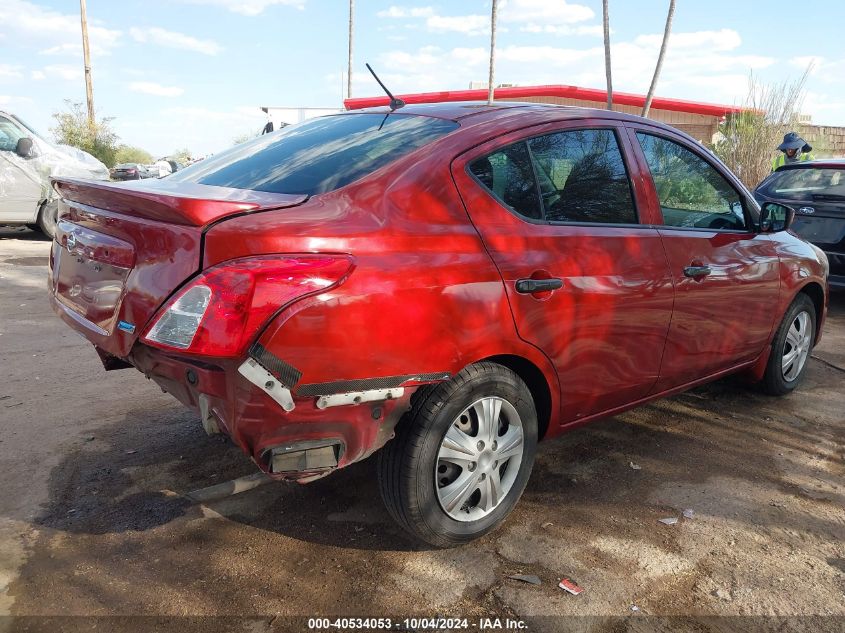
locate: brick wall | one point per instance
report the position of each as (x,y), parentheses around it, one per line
(826,140)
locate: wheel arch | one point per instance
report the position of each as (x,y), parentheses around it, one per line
(816,294)
(537,384)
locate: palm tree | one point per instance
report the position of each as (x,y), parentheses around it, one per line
(349,64)
(660,56)
(492,52)
(606,25)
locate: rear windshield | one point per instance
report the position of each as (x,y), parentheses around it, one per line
(805,184)
(319,155)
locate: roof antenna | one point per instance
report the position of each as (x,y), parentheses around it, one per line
(395,103)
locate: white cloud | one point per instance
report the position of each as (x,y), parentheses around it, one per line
(248,7)
(700,65)
(722,40)
(152,88)
(68,48)
(467,24)
(12,101)
(814,62)
(38,75)
(545,12)
(63,71)
(536,15)
(406,12)
(202,130)
(173,39)
(825,70)
(564,29)
(8,71)
(30,24)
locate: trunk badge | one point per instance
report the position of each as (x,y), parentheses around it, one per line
(807,210)
(71,242)
(126,327)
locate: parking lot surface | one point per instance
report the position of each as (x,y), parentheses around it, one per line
(92,521)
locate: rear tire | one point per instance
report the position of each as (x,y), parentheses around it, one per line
(47,218)
(791,348)
(448,490)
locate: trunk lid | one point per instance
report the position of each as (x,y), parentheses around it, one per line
(121,251)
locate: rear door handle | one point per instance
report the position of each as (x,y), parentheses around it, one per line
(530,286)
(696,271)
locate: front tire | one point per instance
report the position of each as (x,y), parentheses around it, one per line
(791,348)
(462,456)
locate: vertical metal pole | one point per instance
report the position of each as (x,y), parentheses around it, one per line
(86,52)
(607,73)
(351,36)
(490,78)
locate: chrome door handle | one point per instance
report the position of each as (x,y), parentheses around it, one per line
(697,271)
(530,286)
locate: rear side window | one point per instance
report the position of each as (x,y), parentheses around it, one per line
(317,156)
(572,176)
(692,193)
(509,176)
(582,177)
(806,184)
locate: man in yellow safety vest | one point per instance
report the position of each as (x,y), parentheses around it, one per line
(793,149)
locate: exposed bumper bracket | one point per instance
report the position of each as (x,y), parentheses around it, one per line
(267,382)
(357,397)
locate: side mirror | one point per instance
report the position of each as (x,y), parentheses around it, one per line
(24,147)
(775,217)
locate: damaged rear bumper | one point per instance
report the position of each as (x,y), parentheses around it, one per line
(287,434)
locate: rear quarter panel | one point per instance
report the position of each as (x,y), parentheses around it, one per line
(424,296)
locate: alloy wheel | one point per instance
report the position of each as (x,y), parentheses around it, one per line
(796,347)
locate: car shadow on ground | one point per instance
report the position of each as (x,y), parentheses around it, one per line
(22,233)
(131,476)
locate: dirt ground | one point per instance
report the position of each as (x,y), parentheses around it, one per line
(87,527)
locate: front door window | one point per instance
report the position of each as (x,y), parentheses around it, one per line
(692,193)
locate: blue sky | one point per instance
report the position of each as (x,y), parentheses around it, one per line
(193,73)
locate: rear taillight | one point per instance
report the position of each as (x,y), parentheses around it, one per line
(220,312)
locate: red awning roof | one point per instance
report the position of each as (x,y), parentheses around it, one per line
(566,92)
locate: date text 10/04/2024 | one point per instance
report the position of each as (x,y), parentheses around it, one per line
(436,623)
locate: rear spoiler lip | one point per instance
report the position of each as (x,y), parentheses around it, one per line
(187,204)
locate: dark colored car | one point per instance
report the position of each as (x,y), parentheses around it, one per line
(445,284)
(816,189)
(129,171)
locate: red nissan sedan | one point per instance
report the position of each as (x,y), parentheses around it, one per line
(445,284)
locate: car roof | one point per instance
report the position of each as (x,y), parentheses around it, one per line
(458,110)
(823,163)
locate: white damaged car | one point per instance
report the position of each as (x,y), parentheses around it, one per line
(27,162)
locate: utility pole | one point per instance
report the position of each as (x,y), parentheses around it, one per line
(607,73)
(351,35)
(492,53)
(89,90)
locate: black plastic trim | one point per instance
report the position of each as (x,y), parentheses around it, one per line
(365,384)
(287,374)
